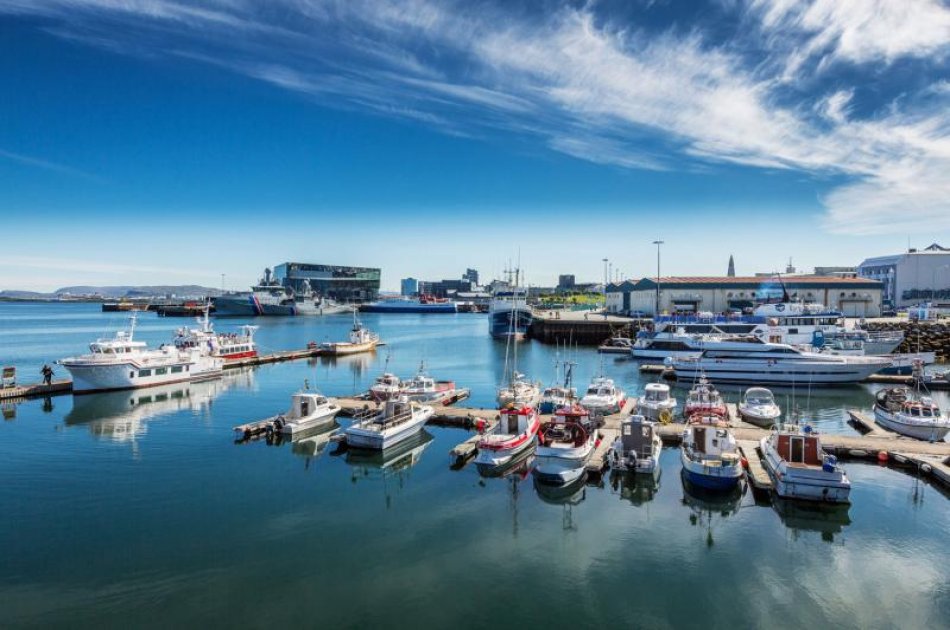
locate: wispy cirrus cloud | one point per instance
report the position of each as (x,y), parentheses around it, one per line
(28,160)
(597,86)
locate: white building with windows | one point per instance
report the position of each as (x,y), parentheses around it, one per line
(855,297)
(911,278)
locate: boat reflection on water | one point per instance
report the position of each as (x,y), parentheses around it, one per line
(388,462)
(358,364)
(705,504)
(637,488)
(308,444)
(808,516)
(567,494)
(121,415)
(520,465)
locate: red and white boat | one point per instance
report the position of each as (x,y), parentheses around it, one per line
(565,444)
(704,398)
(228,346)
(514,434)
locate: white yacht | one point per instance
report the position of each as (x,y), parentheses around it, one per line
(603,397)
(424,388)
(398,420)
(123,363)
(656,403)
(771,363)
(229,346)
(758,406)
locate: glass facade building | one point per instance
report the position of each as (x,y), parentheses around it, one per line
(344,284)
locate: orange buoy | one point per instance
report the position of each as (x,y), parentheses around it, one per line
(882,456)
(745,463)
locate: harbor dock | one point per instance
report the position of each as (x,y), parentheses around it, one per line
(929,458)
(581,327)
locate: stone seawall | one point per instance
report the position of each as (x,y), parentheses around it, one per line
(922,336)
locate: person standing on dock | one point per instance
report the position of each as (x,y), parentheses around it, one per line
(47,373)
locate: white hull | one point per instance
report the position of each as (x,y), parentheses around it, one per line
(366,435)
(500,457)
(562,465)
(785,372)
(97,377)
(343,348)
(321,419)
(639,465)
(646,353)
(807,484)
(927,432)
(761,416)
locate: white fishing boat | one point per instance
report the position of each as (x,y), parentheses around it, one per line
(704,398)
(397,420)
(905,411)
(386,386)
(656,403)
(565,444)
(710,456)
(560,393)
(513,434)
(603,397)
(800,469)
(123,363)
(308,410)
(519,391)
(758,406)
(361,340)
(637,448)
(770,363)
(424,388)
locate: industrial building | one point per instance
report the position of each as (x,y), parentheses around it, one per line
(344,284)
(913,277)
(855,297)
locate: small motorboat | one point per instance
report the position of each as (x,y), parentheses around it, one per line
(656,403)
(637,448)
(905,411)
(758,407)
(616,345)
(703,398)
(710,456)
(603,397)
(397,420)
(800,469)
(513,434)
(361,340)
(559,395)
(565,444)
(309,410)
(520,391)
(385,387)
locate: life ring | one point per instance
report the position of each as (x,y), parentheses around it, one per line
(666,417)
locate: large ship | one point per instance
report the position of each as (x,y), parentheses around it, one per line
(508,312)
(422,304)
(270,298)
(123,363)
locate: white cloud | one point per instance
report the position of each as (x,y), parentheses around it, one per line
(588,87)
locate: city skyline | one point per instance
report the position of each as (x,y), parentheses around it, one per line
(163,143)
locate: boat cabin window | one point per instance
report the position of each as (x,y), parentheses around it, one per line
(143,373)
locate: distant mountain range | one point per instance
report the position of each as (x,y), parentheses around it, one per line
(115,292)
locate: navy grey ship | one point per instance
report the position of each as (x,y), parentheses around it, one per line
(270,298)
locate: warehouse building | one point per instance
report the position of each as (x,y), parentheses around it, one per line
(913,277)
(855,297)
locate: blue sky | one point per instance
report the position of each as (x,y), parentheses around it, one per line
(170,142)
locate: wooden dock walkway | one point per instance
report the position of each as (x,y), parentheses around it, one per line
(755,471)
(36,390)
(866,424)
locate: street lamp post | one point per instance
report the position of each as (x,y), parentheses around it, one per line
(656,309)
(605,286)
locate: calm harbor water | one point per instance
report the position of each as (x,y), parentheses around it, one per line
(137,509)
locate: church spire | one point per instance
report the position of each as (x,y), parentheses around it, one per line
(732,267)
